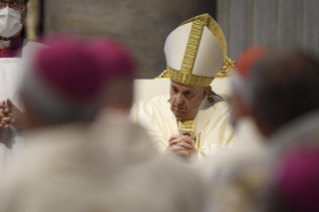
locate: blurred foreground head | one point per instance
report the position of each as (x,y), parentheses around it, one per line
(118,72)
(274,88)
(62,85)
(295,186)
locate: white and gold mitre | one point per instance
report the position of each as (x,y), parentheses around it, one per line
(196,52)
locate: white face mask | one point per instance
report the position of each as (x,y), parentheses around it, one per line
(9,22)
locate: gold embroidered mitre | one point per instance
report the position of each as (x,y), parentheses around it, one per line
(196,52)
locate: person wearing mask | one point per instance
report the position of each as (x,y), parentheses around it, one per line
(14,55)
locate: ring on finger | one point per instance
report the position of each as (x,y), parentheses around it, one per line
(176,144)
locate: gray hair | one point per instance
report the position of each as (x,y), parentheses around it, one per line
(52,107)
(284,85)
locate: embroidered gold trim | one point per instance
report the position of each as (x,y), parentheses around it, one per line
(192,47)
(188,79)
(189,125)
(229,65)
(186,125)
(163,75)
(197,143)
(225,72)
(185,76)
(211,24)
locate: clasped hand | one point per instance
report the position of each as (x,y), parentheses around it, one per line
(182,145)
(11,115)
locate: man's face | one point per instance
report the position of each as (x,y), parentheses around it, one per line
(24,10)
(18,5)
(185,100)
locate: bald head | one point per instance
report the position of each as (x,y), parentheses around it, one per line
(284,86)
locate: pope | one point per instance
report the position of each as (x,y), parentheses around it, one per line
(191,120)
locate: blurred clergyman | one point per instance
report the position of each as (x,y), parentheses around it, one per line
(125,140)
(13,61)
(293,184)
(191,121)
(60,93)
(248,140)
(128,147)
(246,131)
(118,68)
(280,94)
(64,167)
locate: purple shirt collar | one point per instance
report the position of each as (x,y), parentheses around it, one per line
(14,50)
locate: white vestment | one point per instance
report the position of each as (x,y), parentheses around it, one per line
(12,71)
(66,169)
(126,142)
(212,128)
(247,142)
(244,174)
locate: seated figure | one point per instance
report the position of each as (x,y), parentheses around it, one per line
(78,158)
(191,120)
(277,91)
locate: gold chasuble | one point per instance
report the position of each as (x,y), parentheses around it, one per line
(195,54)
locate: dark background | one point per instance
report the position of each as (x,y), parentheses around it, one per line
(142,25)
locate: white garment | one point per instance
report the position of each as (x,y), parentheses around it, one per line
(248,144)
(248,140)
(247,134)
(171,184)
(211,127)
(240,179)
(11,73)
(125,141)
(63,169)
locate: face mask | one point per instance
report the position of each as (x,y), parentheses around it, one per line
(9,22)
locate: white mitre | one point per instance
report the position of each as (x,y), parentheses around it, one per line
(196,53)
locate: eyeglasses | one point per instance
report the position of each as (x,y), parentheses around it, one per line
(16,5)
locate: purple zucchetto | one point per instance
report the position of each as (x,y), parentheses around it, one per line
(66,67)
(297,179)
(64,82)
(114,59)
